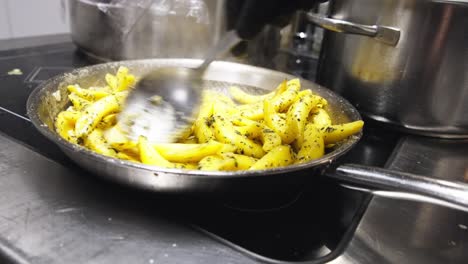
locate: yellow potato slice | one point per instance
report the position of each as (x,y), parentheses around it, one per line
(187,153)
(127,156)
(186,166)
(149,155)
(313,146)
(65,125)
(111,80)
(279,156)
(94,113)
(215,163)
(225,133)
(297,115)
(321,118)
(277,123)
(282,101)
(107,121)
(124,79)
(226,148)
(90,95)
(333,134)
(252,111)
(78,102)
(241,162)
(253,129)
(245,98)
(95,141)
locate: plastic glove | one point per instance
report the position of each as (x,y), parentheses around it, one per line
(249,17)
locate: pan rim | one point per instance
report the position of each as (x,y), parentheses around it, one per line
(35,96)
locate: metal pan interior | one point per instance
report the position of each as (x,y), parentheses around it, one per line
(43,108)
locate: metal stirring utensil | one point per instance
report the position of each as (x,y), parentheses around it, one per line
(165,102)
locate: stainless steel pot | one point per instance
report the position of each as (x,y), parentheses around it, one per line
(117,30)
(403,62)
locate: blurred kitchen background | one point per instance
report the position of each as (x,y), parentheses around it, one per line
(401,62)
(26,18)
(118,35)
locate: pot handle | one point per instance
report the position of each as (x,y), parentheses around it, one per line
(387,35)
(408,186)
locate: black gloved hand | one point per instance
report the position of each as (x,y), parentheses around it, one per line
(248,17)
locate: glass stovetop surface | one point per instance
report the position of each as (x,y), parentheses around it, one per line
(310,225)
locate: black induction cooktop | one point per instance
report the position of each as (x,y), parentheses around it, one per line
(309,225)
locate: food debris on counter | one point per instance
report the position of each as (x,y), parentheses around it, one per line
(462,226)
(15,72)
(117,238)
(66,210)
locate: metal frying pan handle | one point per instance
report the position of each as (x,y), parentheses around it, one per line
(417,188)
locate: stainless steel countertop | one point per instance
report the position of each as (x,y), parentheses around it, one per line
(46,217)
(390,232)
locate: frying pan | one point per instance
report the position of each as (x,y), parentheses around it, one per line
(42,109)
